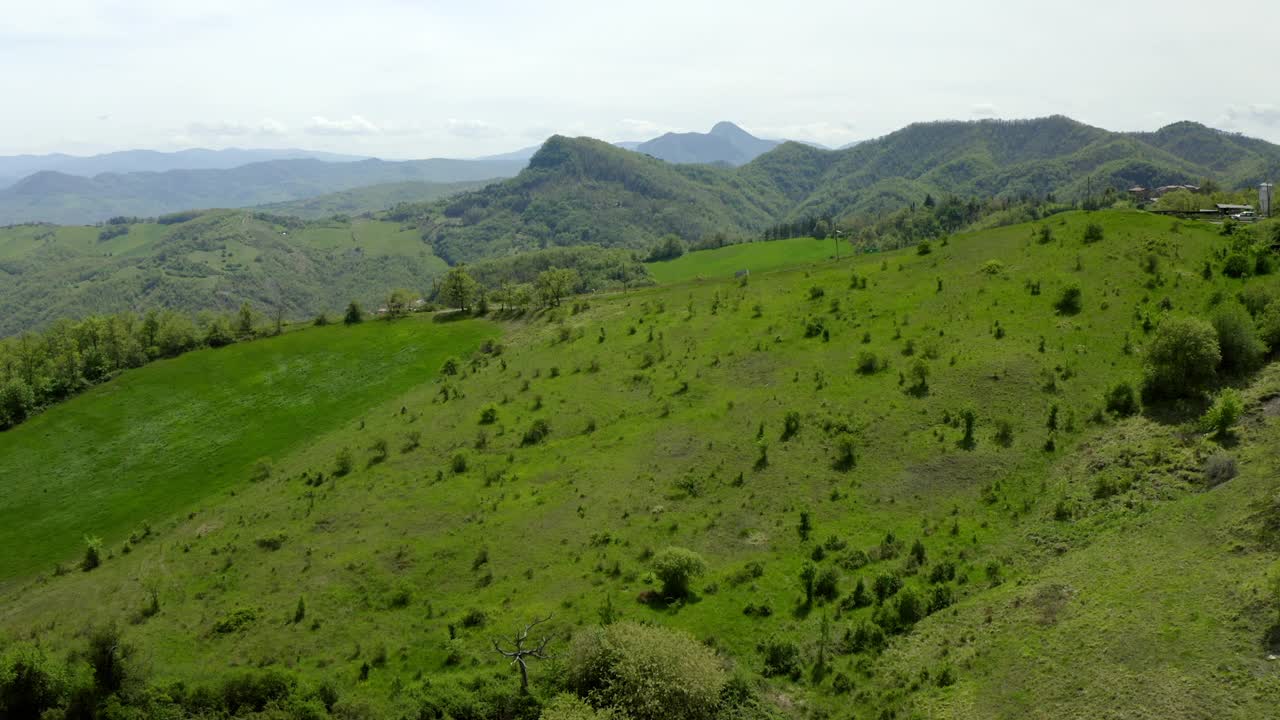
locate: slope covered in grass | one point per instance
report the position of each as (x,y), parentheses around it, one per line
(752,257)
(816,415)
(164,438)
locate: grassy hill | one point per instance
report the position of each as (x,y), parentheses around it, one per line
(51,196)
(213,261)
(582,192)
(1102,575)
(369,199)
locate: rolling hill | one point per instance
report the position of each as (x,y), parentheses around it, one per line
(369,198)
(59,197)
(213,261)
(908,483)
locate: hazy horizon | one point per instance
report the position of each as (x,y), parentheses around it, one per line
(399,80)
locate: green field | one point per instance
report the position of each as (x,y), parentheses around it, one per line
(165,438)
(754,257)
(1095,576)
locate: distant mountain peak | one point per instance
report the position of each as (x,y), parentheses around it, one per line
(726,143)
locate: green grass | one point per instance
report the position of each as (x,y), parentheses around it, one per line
(754,257)
(155,441)
(655,399)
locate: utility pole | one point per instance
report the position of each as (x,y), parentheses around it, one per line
(836,235)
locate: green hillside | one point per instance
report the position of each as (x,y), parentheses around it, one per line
(582,192)
(369,199)
(926,426)
(214,261)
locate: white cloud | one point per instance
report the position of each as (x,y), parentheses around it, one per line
(1253,114)
(636,129)
(984,110)
(472,129)
(354,125)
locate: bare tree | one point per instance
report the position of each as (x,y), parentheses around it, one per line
(520,652)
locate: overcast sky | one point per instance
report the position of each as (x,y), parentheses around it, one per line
(405,78)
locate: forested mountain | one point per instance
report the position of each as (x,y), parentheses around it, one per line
(583,191)
(64,198)
(726,143)
(16,167)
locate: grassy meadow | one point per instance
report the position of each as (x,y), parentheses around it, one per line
(162,439)
(711,416)
(755,257)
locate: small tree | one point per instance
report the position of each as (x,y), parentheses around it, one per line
(1182,358)
(968,418)
(1238,341)
(555,284)
(519,652)
(92,553)
(808,580)
(458,288)
(1226,411)
(354,314)
(400,303)
(1092,233)
(676,568)
(805,528)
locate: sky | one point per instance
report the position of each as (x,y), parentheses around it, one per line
(465,78)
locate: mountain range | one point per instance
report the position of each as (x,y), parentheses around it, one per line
(15,167)
(726,144)
(580,190)
(59,197)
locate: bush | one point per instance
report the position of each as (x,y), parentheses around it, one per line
(1068,302)
(676,568)
(868,363)
(790,425)
(30,682)
(1237,265)
(489,414)
(344,463)
(1092,233)
(1122,400)
(646,672)
(17,401)
(567,706)
(781,657)
(536,433)
(1224,414)
(1238,341)
(827,584)
(1182,358)
(924,248)
(92,554)
(1219,468)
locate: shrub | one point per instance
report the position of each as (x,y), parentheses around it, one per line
(1044,235)
(537,432)
(567,706)
(790,425)
(1237,265)
(354,315)
(344,463)
(1068,303)
(924,248)
(676,568)
(17,401)
(781,657)
(1182,358)
(31,682)
(92,554)
(235,621)
(1238,341)
(646,672)
(827,584)
(1219,468)
(459,463)
(489,414)
(816,292)
(1224,414)
(1256,298)
(992,267)
(868,363)
(1092,233)
(1122,400)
